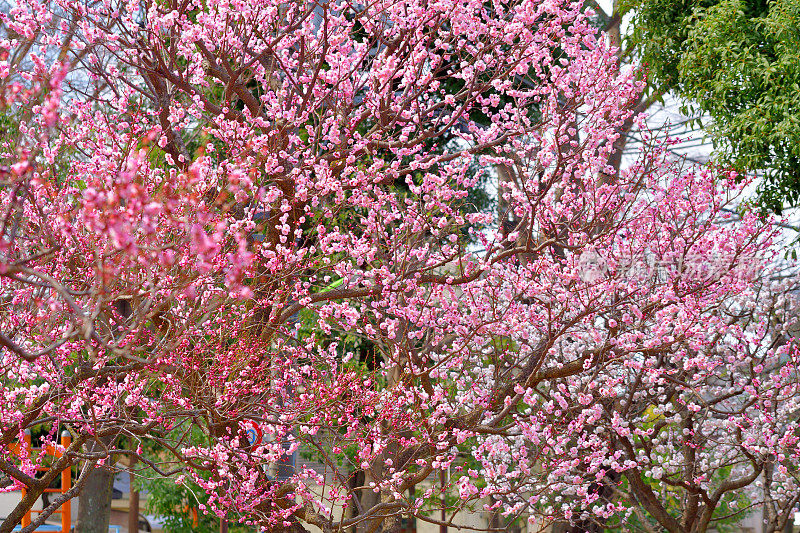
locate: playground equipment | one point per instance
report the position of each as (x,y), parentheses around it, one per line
(66,482)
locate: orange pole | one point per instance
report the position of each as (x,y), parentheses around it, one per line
(26,520)
(66,483)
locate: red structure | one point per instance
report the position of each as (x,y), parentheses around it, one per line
(66,482)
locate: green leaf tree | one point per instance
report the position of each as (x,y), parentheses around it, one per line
(737,62)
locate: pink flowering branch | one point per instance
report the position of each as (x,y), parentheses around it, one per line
(224,217)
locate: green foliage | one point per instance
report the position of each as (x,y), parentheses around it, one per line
(737,61)
(174,502)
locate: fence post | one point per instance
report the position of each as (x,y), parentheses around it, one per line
(66,484)
(26,444)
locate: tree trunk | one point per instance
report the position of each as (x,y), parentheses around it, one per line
(494,518)
(369,499)
(356,480)
(94,504)
(133,506)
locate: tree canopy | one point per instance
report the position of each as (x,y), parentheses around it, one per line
(207,207)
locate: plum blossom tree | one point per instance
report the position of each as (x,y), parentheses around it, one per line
(194,184)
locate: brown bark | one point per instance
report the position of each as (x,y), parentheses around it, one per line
(368,500)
